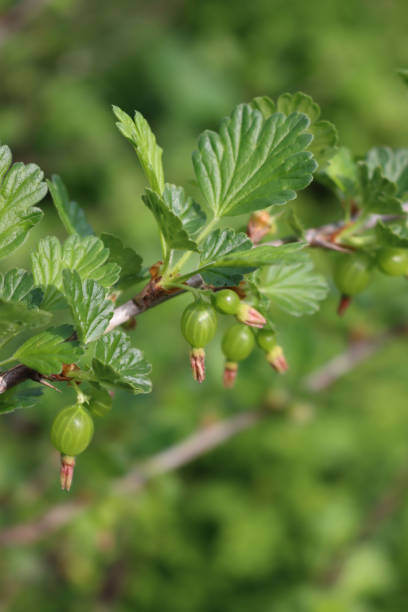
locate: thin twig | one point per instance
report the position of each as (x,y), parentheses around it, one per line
(319,236)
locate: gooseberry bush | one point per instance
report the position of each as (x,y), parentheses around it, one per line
(65,317)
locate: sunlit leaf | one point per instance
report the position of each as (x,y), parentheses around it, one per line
(119,364)
(90,309)
(127,259)
(253,163)
(21,187)
(169,223)
(48,351)
(139,133)
(295,287)
(325,137)
(70,213)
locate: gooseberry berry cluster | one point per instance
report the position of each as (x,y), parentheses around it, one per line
(199,324)
(264,153)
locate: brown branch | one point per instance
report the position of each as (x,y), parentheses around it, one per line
(152,295)
(194,446)
(144,301)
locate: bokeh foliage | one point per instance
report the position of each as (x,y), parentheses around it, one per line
(254,525)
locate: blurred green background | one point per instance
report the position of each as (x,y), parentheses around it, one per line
(254,525)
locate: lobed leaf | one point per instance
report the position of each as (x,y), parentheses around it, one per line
(392,235)
(48,351)
(129,262)
(21,188)
(87,255)
(325,137)
(227,256)
(378,194)
(253,163)
(341,174)
(16,286)
(90,309)
(17,317)
(295,287)
(71,214)
(144,142)
(117,363)
(262,255)
(393,164)
(192,217)
(100,400)
(170,224)
(19,398)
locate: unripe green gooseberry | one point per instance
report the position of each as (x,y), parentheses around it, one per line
(72,430)
(393,261)
(199,324)
(352,273)
(238,342)
(226,301)
(266,339)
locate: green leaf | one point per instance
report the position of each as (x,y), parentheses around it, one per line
(261,255)
(121,365)
(265,105)
(325,137)
(90,310)
(218,244)
(148,151)
(393,164)
(127,259)
(253,163)
(378,194)
(70,213)
(184,207)
(21,188)
(100,400)
(294,287)
(48,351)
(341,174)
(392,235)
(16,286)
(170,225)
(19,398)
(226,256)
(17,317)
(47,270)
(87,255)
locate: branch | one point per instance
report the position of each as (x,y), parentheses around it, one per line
(196,445)
(152,295)
(134,307)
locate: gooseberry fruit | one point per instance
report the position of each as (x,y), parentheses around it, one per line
(393,261)
(71,433)
(237,343)
(352,274)
(266,340)
(198,326)
(227,301)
